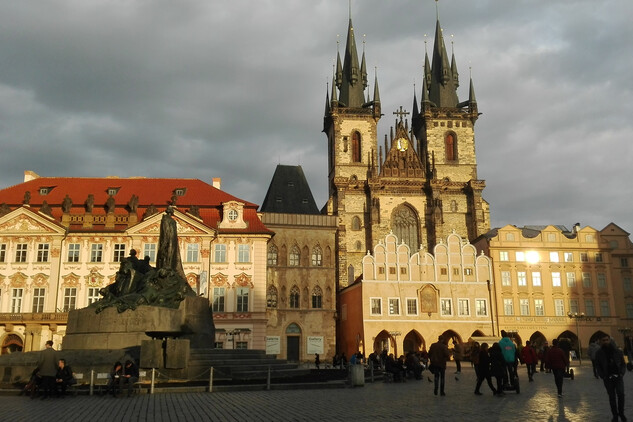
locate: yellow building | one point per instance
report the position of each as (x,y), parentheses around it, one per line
(406,299)
(62,239)
(551,282)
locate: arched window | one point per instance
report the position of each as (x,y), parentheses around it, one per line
(294,297)
(272,255)
(271,297)
(451,147)
(404,225)
(356,147)
(454,206)
(317,256)
(355,223)
(317,298)
(295,257)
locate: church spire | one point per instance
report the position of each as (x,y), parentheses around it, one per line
(352,84)
(443,91)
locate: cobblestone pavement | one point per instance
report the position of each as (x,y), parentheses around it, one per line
(585,399)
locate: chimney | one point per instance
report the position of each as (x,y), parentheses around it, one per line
(30,175)
(217,182)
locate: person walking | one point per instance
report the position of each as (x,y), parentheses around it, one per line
(438,356)
(458,355)
(557,360)
(509,351)
(611,368)
(591,351)
(482,369)
(497,367)
(529,358)
(47,368)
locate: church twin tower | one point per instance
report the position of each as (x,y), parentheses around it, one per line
(422,183)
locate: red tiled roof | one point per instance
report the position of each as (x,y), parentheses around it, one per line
(150,191)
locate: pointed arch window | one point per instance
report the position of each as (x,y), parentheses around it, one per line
(450,143)
(355,223)
(317,256)
(295,257)
(294,297)
(356,147)
(273,254)
(271,297)
(317,298)
(404,224)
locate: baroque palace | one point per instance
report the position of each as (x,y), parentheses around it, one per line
(402,251)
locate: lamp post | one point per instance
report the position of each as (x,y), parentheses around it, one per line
(576,316)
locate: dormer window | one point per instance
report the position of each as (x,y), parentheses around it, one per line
(180,191)
(113,191)
(232,214)
(45,190)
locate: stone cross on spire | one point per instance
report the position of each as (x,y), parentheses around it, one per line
(401,113)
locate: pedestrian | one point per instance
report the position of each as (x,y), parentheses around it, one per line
(114,379)
(63,378)
(497,367)
(591,351)
(438,356)
(482,369)
(611,368)
(129,376)
(529,358)
(458,355)
(509,350)
(556,361)
(47,368)
(542,355)
(317,361)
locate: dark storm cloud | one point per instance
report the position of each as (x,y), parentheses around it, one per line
(208,89)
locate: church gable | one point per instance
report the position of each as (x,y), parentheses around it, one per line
(22,221)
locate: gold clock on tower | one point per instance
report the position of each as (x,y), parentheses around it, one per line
(402,144)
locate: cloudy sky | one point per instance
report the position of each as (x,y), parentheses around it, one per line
(230,89)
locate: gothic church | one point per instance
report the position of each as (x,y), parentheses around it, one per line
(422,184)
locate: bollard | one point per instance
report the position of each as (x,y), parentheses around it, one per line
(211,379)
(92,381)
(151,389)
(268,379)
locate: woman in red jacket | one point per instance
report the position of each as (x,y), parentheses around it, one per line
(557,360)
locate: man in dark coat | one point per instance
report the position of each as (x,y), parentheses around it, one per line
(47,368)
(557,360)
(438,356)
(611,368)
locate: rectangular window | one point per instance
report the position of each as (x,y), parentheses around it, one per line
(242,299)
(243,345)
(520,256)
(218,345)
(220,253)
(42,252)
(70,298)
(589,310)
(218,299)
(376,305)
(93,295)
(3,252)
(629,310)
(192,252)
(553,257)
(602,281)
(556,280)
(38,300)
(586,280)
(468,271)
(539,307)
(20,252)
(464,307)
(149,249)
(569,256)
(73,252)
(573,306)
(508,307)
(119,252)
(506,279)
(481,307)
(559,307)
(584,257)
(604,308)
(627,283)
(244,253)
(524,306)
(446,306)
(16,300)
(536,278)
(403,270)
(317,301)
(455,271)
(571,279)
(412,306)
(503,256)
(598,256)
(394,306)
(96,252)
(624,262)
(522,278)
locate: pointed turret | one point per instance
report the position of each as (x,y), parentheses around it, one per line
(376,92)
(415,111)
(442,90)
(454,71)
(363,71)
(339,70)
(352,86)
(472,102)
(427,69)
(327,102)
